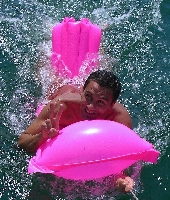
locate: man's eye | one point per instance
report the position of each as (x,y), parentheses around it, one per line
(101,103)
(88,96)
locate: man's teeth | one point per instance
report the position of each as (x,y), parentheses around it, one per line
(90,112)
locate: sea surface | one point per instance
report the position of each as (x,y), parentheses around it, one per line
(136,37)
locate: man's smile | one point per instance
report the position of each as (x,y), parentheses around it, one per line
(90,114)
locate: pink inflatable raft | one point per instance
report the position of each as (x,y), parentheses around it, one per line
(71,42)
(92,149)
(88,149)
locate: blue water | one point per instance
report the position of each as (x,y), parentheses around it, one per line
(137,36)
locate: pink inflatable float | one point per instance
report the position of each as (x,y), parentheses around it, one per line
(71,41)
(92,149)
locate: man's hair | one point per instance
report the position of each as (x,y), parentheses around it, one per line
(105,79)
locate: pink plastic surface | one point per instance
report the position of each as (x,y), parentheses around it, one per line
(92,149)
(71,41)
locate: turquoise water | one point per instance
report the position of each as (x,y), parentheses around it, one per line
(137,36)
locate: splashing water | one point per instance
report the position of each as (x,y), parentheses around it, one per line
(134,35)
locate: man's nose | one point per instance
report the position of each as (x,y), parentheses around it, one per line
(91,106)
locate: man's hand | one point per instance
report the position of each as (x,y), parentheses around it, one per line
(125,184)
(50,127)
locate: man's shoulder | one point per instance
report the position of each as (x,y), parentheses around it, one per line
(64,90)
(119,108)
(120,114)
(69,97)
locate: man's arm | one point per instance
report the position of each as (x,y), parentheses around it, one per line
(45,126)
(32,137)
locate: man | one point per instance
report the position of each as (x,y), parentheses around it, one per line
(96,100)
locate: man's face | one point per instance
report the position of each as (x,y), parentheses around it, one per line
(97,101)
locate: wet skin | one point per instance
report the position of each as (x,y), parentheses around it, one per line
(72,105)
(69,105)
(96,101)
